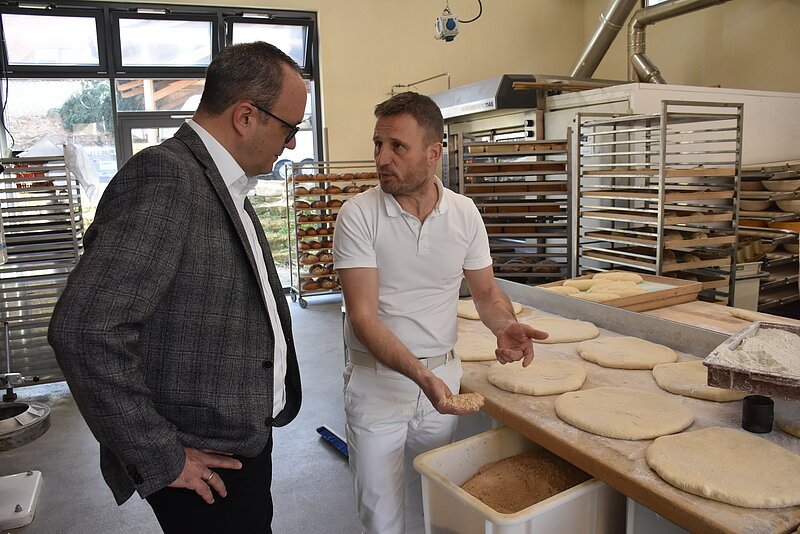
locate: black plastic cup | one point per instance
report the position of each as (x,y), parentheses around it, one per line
(757,414)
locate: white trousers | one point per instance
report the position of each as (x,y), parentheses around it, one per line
(389,422)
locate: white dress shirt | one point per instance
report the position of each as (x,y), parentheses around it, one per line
(239,185)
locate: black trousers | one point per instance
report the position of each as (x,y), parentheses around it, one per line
(246,509)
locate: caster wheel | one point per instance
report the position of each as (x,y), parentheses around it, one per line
(294,297)
(303,304)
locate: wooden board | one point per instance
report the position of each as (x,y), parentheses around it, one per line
(699,171)
(681,291)
(711,316)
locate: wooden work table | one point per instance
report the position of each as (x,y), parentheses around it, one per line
(621,463)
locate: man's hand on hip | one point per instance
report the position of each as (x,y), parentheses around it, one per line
(197,474)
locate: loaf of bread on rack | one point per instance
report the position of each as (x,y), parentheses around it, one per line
(301,204)
(325,257)
(310,285)
(334,203)
(318,204)
(317,190)
(352,189)
(301,232)
(333,190)
(308,259)
(327,283)
(319,270)
(300,190)
(310,231)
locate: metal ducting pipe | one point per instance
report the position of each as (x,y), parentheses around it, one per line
(640,67)
(611,22)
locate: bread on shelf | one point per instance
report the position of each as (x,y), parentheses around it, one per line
(300,190)
(333,190)
(319,204)
(325,257)
(310,285)
(334,203)
(352,189)
(308,258)
(321,231)
(327,283)
(319,270)
(301,204)
(317,190)
(301,232)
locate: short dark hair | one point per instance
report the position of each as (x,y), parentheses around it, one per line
(247,71)
(421,107)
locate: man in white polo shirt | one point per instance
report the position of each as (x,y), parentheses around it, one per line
(401,250)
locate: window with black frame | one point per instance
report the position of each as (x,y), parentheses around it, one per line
(129,75)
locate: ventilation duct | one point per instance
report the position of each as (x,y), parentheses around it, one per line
(640,67)
(611,22)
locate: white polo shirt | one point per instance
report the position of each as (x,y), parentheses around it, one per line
(420,266)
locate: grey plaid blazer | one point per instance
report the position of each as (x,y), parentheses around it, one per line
(162,331)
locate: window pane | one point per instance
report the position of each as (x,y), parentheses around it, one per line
(290,39)
(165,43)
(144,137)
(158,95)
(45,114)
(39,40)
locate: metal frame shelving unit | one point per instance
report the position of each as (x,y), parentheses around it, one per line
(42,225)
(658,193)
(311,220)
(522,190)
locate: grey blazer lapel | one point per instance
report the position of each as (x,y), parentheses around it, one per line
(190,138)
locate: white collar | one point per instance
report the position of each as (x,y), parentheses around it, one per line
(232,173)
(394,209)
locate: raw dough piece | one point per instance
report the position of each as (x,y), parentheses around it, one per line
(564,330)
(787,417)
(599,296)
(619,277)
(466,309)
(625,352)
(582,284)
(541,377)
(564,290)
(728,465)
(473,347)
(623,413)
(690,379)
(747,315)
(623,289)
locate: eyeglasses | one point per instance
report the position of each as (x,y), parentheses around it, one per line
(293,129)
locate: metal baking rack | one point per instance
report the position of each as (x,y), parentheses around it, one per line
(522,191)
(658,193)
(315,190)
(42,224)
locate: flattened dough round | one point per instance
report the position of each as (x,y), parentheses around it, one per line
(623,289)
(690,379)
(728,465)
(564,290)
(623,413)
(466,309)
(564,330)
(619,277)
(474,347)
(625,352)
(541,377)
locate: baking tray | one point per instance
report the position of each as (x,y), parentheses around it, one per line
(756,382)
(662,292)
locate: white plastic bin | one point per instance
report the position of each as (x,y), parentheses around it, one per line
(591,507)
(642,520)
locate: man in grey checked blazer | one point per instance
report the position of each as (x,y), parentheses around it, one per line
(173,331)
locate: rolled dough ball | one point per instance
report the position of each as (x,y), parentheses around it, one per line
(729,466)
(690,379)
(562,330)
(599,296)
(564,290)
(474,347)
(625,352)
(467,310)
(583,284)
(619,276)
(541,377)
(623,413)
